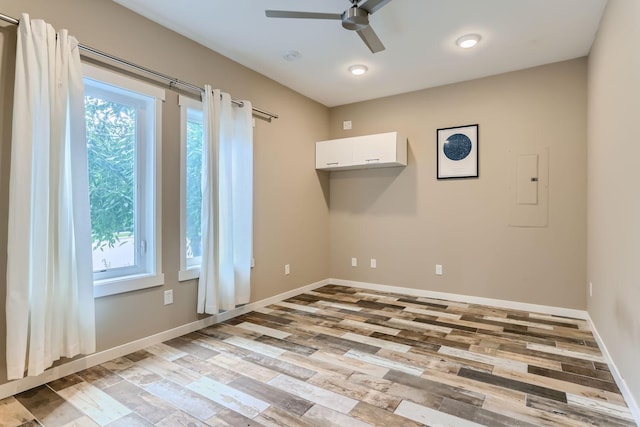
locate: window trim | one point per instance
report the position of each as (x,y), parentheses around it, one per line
(186,272)
(153,181)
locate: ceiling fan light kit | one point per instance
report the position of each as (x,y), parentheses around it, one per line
(356,18)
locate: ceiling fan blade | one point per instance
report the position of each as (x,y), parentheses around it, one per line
(370,38)
(372,6)
(303,15)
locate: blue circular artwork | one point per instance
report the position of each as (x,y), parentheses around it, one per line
(457,147)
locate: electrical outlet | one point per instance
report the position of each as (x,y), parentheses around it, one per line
(354,262)
(287,269)
(346,125)
(374,264)
(590,289)
(168,297)
(439,269)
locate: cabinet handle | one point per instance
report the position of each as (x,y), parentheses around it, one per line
(372,160)
(333,163)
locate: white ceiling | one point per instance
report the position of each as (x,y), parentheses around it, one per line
(419,36)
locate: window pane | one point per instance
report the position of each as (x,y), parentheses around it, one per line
(111,143)
(194,192)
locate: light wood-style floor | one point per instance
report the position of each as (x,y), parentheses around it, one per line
(340,356)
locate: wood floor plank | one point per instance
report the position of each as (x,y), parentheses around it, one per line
(577,379)
(348,387)
(276,417)
(514,396)
(48,407)
(229,397)
(323,416)
(230,418)
(435,387)
(187,400)
(598,405)
(384,362)
(315,394)
(129,420)
(94,403)
(350,363)
(428,416)
(288,345)
(539,417)
(14,414)
(480,415)
(272,395)
(375,416)
(556,384)
(578,413)
(140,401)
(526,359)
(282,366)
(167,370)
(315,365)
(244,367)
(513,384)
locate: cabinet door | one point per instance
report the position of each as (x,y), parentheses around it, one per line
(375,149)
(334,154)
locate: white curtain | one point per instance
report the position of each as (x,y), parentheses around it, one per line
(50,307)
(227,203)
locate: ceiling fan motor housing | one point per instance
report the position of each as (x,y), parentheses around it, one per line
(355,19)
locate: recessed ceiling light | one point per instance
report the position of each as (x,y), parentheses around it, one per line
(358,70)
(291,55)
(468,40)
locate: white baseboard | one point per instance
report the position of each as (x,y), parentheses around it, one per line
(77,365)
(267,301)
(515,305)
(622,384)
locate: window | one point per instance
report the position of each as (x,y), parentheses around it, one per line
(123,143)
(191,134)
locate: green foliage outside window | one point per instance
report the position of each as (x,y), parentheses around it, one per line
(194,192)
(111,143)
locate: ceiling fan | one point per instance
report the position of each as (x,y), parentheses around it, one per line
(356,18)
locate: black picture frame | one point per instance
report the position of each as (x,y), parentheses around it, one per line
(457,152)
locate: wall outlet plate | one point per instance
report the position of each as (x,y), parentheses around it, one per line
(439,269)
(374,263)
(287,269)
(354,262)
(168,297)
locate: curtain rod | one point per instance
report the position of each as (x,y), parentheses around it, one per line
(173,82)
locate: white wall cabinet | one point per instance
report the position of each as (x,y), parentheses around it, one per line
(333,154)
(369,151)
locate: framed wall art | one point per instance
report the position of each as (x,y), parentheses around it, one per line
(457,155)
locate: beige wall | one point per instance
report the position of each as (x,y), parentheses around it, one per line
(291,212)
(409,221)
(614,204)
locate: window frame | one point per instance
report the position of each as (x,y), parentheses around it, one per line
(148,177)
(186,272)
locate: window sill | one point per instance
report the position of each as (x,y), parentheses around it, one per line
(103,288)
(189,274)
